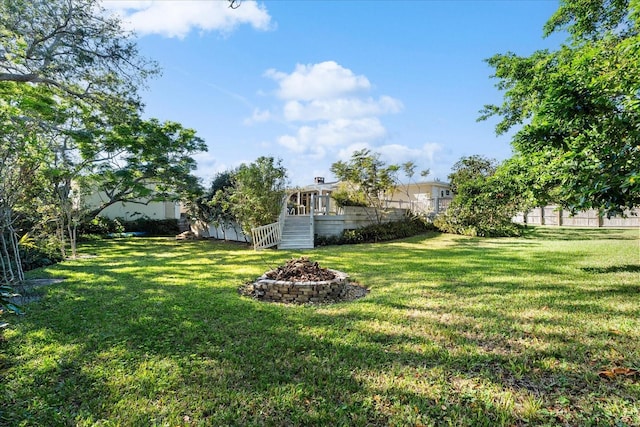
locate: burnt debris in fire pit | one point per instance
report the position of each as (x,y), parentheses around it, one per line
(301,281)
(300,270)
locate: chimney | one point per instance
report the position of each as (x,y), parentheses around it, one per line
(319,179)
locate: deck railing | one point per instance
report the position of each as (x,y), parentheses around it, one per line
(266,236)
(269,235)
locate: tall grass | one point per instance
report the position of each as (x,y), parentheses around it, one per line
(455,331)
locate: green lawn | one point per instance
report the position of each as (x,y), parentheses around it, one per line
(455,331)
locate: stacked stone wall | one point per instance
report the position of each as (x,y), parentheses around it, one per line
(301,292)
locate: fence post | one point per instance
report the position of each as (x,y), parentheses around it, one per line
(559,217)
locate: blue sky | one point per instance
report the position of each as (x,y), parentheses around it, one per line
(311,81)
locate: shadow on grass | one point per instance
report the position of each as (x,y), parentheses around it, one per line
(575,233)
(127,341)
(626,268)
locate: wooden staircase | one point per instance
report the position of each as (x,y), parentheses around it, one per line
(297,232)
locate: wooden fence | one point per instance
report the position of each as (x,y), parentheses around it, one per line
(554,215)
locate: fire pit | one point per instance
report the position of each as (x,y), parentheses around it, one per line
(302,281)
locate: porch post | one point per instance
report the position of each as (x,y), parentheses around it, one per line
(311,216)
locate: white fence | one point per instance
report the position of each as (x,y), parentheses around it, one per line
(554,215)
(231,232)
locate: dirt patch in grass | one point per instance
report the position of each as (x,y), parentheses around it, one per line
(31,290)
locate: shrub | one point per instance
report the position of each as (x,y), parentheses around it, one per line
(474,220)
(152,227)
(484,201)
(35,254)
(407,227)
(344,197)
(100,226)
(6,300)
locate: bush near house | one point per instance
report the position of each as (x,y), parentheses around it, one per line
(152,227)
(485,200)
(101,226)
(35,254)
(407,227)
(344,196)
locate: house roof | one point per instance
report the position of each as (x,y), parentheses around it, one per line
(432,183)
(332,185)
(318,186)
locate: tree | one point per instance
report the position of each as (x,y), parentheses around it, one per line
(87,70)
(484,200)
(69,76)
(409,171)
(219,204)
(366,178)
(258,192)
(578,108)
(142,161)
(213,206)
(22,153)
(72,45)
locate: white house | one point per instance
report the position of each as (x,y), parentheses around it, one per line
(131,211)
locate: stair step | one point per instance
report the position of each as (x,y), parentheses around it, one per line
(295,246)
(296,233)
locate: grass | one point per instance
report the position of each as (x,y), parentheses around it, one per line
(455,331)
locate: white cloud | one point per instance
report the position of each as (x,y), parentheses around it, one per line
(332,135)
(292,143)
(334,104)
(325,80)
(258,116)
(396,153)
(340,108)
(178,18)
(332,111)
(208,166)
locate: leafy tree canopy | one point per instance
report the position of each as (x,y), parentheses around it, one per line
(365,178)
(213,205)
(578,108)
(258,192)
(72,45)
(148,160)
(70,115)
(484,200)
(466,171)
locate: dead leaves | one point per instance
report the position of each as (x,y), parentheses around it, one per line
(612,374)
(300,270)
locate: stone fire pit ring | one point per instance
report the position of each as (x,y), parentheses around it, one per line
(301,292)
